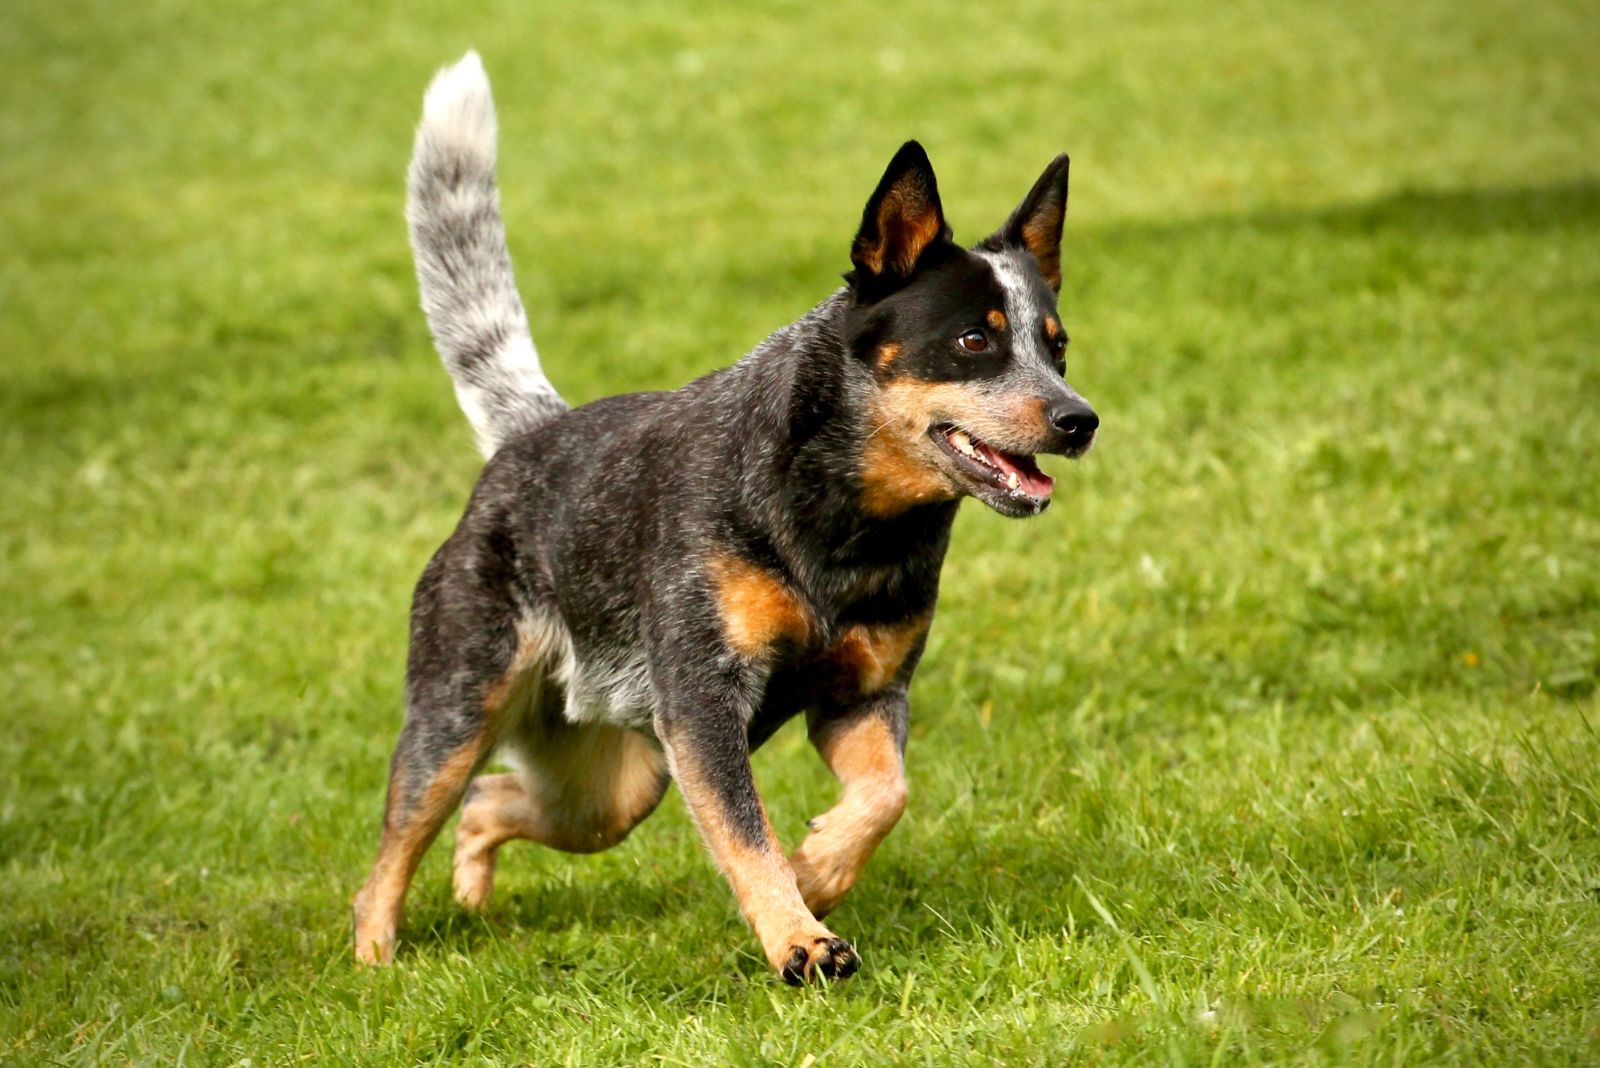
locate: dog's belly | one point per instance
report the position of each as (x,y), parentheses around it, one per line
(612,687)
(590,686)
(615,691)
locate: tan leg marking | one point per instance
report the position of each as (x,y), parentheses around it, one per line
(794,942)
(407,833)
(410,828)
(866,759)
(580,790)
(757,608)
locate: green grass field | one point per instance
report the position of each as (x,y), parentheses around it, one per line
(1275,741)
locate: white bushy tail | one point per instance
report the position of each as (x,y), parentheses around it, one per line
(463,268)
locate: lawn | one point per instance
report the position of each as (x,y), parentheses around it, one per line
(1274,741)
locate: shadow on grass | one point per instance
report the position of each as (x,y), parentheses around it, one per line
(1459,212)
(550,906)
(900,910)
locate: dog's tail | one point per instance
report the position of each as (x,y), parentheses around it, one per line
(459,241)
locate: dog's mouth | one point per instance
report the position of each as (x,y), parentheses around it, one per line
(1010,483)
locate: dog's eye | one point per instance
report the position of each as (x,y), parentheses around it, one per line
(1058,344)
(973,341)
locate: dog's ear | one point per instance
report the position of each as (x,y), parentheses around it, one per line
(901,220)
(1036,224)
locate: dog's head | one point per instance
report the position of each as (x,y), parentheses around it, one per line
(966,348)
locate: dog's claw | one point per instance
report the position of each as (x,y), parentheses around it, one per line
(828,958)
(794,972)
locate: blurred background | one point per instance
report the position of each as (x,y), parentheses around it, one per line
(1289,694)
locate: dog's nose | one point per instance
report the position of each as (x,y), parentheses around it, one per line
(1076,421)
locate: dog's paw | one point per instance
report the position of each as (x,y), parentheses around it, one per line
(826,957)
(474,873)
(822,880)
(374,935)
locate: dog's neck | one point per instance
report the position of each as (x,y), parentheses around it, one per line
(816,505)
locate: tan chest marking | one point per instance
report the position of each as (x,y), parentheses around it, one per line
(868,656)
(757,608)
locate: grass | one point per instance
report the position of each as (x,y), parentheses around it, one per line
(1274,742)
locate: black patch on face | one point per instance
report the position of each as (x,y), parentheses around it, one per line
(953,292)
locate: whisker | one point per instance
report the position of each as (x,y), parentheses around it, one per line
(877,428)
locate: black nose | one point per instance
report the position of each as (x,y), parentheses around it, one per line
(1076,421)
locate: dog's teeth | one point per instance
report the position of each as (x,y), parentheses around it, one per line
(962,441)
(1012,481)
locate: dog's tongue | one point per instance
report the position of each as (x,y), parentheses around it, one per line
(1030,480)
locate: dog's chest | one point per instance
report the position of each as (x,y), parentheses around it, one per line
(864,631)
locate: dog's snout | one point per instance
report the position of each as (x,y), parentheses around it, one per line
(1075,420)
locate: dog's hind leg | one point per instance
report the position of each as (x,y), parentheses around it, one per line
(865,749)
(433,763)
(468,675)
(579,789)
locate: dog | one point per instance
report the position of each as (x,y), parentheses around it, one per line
(644,588)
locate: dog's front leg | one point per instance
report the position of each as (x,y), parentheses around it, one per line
(709,753)
(864,746)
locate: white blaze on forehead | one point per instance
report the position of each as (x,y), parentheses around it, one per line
(1022,300)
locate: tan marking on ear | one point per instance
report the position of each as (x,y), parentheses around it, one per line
(997,319)
(905,225)
(757,608)
(920,230)
(868,656)
(1039,235)
(887,353)
(865,757)
(1052,328)
(759,873)
(871,256)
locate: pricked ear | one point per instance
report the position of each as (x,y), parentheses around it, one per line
(1036,224)
(902,219)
